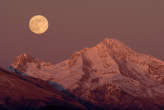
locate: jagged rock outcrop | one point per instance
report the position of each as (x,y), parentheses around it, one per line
(23,59)
(109,74)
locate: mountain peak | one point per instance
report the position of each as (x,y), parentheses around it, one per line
(115,44)
(115,48)
(21,61)
(111,40)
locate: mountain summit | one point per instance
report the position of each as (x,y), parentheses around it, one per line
(109,74)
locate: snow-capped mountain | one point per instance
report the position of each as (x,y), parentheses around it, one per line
(109,74)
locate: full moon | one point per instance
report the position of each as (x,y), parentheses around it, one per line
(38,24)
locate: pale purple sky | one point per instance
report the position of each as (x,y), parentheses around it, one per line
(76,24)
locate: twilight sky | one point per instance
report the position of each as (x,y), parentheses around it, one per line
(76,24)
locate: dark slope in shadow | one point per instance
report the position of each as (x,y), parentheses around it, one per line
(25,93)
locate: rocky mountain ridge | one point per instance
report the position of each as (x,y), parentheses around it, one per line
(106,75)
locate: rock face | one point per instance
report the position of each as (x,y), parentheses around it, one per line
(109,74)
(26,93)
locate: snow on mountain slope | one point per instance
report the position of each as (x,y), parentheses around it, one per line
(104,74)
